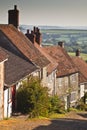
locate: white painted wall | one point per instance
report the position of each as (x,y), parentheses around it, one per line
(5,103)
(82,90)
(1,89)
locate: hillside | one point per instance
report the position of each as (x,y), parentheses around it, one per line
(73,37)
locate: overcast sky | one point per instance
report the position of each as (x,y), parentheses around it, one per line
(47,12)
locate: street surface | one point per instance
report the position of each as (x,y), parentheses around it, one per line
(72,121)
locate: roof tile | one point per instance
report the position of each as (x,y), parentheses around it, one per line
(82,67)
(65,63)
(16,68)
(21,42)
(53,64)
(3,55)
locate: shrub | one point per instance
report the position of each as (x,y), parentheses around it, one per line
(32,98)
(82,105)
(56,105)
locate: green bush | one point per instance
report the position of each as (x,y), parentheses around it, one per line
(56,105)
(81,106)
(32,98)
(82,103)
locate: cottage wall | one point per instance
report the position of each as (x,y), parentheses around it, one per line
(51,79)
(74,82)
(74,89)
(67,88)
(1,89)
(43,76)
(62,84)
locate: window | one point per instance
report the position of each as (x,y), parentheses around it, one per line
(41,73)
(86,87)
(73,96)
(73,77)
(60,82)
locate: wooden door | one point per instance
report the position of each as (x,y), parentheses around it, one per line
(13,98)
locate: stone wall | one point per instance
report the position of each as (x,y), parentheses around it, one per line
(68,88)
(44,76)
(51,80)
(1,89)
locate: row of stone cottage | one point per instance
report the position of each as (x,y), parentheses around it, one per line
(22,56)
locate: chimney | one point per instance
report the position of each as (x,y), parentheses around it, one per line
(38,36)
(27,34)
(35,29)
(15,7)
(13,16)
(30,36)
(61,43)
(78,52)
(27,31)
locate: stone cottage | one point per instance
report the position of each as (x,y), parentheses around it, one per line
(36,38)
(23,60)
(82,67)
(67,75)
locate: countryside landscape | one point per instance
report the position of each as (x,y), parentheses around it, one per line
(74,119)
(74,37)
(43,70)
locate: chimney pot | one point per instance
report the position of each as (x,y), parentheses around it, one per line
(78,52)
(27,31)
(61,43)
(38,36)
(15,7)
(32,32)
(38,30)
(31,36)
(34,29)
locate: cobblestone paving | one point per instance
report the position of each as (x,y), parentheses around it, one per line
(72,121)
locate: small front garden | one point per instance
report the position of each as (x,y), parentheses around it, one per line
(34,99)
(82,104)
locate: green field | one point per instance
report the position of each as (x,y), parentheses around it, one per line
(65,31)
(84,56)
(73,39)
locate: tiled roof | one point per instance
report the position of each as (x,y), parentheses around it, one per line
(53,64)
(23,44)
(65,63)
(82,67)
(3,55)
(16,68)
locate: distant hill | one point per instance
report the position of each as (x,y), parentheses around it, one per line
(25,27)
(73,37)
